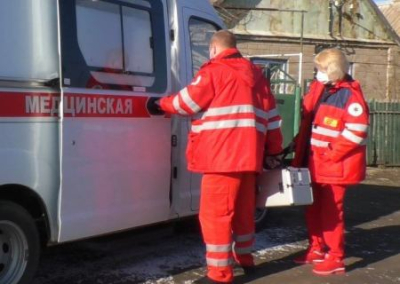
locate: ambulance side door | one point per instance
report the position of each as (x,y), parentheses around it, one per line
(116,156)
(197,24)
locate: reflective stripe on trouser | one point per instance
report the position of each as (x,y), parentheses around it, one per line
(242,248)
(325,220)
(226,206)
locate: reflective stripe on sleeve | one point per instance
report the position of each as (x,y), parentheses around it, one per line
(272,113)
(177,106)
(218,262)
(260,113)
(325,131)
(274,125)
(219,248)
(189,101)
(352,137)
(357,127)
(319,143)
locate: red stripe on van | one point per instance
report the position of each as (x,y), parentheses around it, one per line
(27,104)
(84,105)
(21,104)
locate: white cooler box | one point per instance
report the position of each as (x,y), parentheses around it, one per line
(284,187)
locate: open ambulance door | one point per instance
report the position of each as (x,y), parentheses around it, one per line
(197,21)
(115,161)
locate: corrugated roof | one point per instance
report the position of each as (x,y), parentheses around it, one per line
(392,14)
(359,20)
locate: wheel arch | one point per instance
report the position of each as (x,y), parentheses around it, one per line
(30,201)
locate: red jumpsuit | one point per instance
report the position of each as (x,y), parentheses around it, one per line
(236,124)
(334,132)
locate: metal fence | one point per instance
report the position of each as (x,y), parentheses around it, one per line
(288,98)
(384,134)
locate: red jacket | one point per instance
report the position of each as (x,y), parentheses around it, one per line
(236,116)
(335,134)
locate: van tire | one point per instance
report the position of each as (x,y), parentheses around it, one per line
(19,244)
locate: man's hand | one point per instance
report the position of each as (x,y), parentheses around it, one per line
(153,106)
(290,148)
(272,162)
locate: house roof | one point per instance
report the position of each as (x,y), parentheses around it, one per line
(354,20)
(392,14)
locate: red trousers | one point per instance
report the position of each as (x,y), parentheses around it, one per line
(325,220)
(227,205)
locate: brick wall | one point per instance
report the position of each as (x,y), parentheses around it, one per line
(377,69)
(370,67)
(395,95)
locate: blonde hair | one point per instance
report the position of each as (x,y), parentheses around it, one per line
(333,62)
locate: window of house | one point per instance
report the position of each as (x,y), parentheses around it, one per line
(273,69)
(276,71)
(201,32)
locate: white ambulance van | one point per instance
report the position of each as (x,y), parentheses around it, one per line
(80,153)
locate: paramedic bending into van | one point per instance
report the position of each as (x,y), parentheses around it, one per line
(226,144)
(334,132)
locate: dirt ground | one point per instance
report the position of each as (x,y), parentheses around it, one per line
(372,237)
(372,213)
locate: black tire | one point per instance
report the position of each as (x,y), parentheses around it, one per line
(19,244)
(260,218)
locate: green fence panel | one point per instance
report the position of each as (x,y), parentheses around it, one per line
(286,107)
(383,147)
(288,98)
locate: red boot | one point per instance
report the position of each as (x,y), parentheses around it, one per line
(329,266)
(311,256)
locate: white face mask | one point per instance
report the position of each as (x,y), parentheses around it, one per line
(322,77)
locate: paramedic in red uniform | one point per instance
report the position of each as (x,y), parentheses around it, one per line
(236,123)
(333,131)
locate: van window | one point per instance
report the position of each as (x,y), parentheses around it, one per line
(99,34)
(201,32)
(28,33)
(116,45)
(136,40)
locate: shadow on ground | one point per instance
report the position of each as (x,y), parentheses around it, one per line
(372,214)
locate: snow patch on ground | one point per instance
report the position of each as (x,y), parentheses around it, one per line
(151,262)
(193,256)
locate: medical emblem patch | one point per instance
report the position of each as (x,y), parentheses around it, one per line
(355,109)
